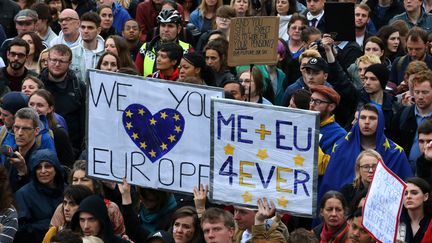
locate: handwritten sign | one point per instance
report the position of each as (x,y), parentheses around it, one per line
(383,204)
(253,40)
(264,151)
(153,132)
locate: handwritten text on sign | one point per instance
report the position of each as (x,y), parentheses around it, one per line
(253,40)
(263,151)
(383,204)
(154,133)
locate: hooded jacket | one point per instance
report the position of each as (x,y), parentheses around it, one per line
(346,150)
(95,206)
(81,61)
(37,202)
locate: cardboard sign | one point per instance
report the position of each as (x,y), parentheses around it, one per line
(383,204)
(264,151)
(153,132)
(253,40)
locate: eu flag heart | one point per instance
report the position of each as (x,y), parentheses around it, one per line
(155,135)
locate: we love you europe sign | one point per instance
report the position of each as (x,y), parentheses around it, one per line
(153,132)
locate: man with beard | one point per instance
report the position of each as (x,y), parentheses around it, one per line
(407,121)
(13,74)
(361,14)
(325,100)
(68,91)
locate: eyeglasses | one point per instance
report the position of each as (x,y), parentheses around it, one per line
(55,61)
(17,54)
(224,19)
(367,168)
(67,19)
(318,101)
(25,129)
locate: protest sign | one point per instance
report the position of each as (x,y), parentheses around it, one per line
(383,204)
(153,132)
(264,151)
(253,40)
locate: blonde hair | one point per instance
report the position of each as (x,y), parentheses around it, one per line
(92,239)
(124,3)
(309,53)
(203,8)
(40,59)
(368,58)
(368,152)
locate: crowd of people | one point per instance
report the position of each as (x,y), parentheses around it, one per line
(373,95)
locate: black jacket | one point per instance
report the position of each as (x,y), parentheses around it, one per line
(379,21)
(404,127)
(69,98)
(95,206)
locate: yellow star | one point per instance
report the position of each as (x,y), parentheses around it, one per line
(143,145)
(386,144)
(247,197)
(152,153)
(262,154)
(163,115)
(129,125)
(334,147)
(399,148)
(347,136)
(129,113)
(176,117)
(135,135)
(229,150)
(298,160)
(141,112)
(163,146)
(172,138)
(282,201)
(177,129)
(153,121)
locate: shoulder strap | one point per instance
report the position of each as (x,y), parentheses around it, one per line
(3,132)
(399,63)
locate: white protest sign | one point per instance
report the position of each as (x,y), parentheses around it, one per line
(264,151)
(383,204)
(153,132)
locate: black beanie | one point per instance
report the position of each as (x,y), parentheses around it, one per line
(381,72)
(13,101)
(195,59)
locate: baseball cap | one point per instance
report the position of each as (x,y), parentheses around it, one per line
(26,15)
(317,63)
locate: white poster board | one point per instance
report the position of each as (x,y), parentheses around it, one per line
(153,132)
(383,204)
(264,151)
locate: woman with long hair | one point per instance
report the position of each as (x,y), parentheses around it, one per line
(253,83)
(109,62)
(185,226)
(284,10)
(415,221)
(8,213)
(391,38)
(43,103)
(118,46)
(36,47)
(204,16)
(216,55)
(365,165)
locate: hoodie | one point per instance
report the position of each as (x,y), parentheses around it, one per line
(95,205)
(37,202)
(83,59)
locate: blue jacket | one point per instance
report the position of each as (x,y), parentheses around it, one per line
(120,17)
(37,202)
(340,170)
(400,65)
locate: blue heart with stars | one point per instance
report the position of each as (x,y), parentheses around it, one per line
(155,135)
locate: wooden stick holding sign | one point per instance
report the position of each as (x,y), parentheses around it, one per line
(253,40)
